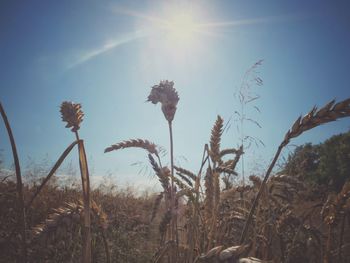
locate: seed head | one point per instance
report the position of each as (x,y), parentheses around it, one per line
(167,96)
(72,114)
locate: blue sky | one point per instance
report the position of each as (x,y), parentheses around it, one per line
(107,55)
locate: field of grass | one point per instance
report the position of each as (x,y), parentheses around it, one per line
(200,216)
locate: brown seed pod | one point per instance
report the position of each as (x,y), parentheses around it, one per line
(167,96)
(72,114)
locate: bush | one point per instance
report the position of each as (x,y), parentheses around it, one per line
(327,163)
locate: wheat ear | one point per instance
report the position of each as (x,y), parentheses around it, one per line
(328,113)
(162,173)
(215,139)
(66,214)
(186,172)
(209,195)
(137,143)
(72,114)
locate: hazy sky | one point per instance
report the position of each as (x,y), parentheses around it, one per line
(107,55)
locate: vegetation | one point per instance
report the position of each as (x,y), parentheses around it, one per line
(327,163)
(279,218)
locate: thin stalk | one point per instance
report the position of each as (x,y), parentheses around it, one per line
(171,154)
(51,173)
(256,200)
(21,210)
(172,196)
(84,171)
(195,222)
(212,230)
(242,139)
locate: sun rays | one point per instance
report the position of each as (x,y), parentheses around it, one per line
(177,30)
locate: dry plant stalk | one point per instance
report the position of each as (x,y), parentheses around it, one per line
(165,94)
(328,113)
(73,115)
(69,213)
(246,96)
(215,139)
(186,172)
(21,210)
(214,175)
(209,196)
(52,172)
(137,143)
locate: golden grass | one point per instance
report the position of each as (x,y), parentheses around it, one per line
(192,219)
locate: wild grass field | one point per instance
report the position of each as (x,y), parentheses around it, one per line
(297,213)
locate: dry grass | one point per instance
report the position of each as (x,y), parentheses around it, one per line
(197,217)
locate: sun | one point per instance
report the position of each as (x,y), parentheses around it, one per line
(173,26)
(180,28)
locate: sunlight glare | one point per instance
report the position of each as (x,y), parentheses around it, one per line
(180,28)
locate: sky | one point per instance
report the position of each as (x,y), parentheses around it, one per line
(107,55)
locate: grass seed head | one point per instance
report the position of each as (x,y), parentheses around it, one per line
(72,114)
(167,96)
(215,139)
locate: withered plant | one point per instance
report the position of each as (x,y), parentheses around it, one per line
(73,115)
(328,113)
(246,96)
(184,240)
(21,215)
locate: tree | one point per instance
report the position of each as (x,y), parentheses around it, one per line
(325,163)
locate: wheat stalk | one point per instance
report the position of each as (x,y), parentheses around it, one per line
(52,172)
(186,172)
(162,173)
(134,143)
(180,184)
(328,113)
(209,195)
(73,115)
(21,208)
(215,139)
(185,179)
(165,94)
(224,169)
(71,213)
(193,232)
(230,151)
(66,214)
